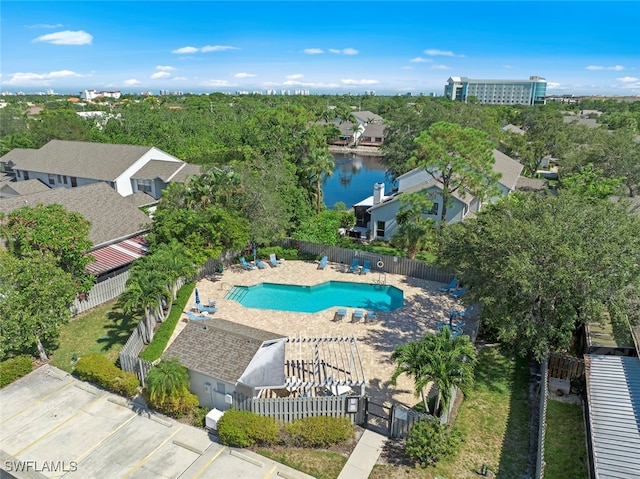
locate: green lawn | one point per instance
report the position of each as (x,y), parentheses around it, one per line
(564,446)
(103,330)
(317,463)
(494,420)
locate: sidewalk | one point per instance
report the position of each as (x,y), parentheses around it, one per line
(364,456)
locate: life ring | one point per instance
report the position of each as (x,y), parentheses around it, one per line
(380,264)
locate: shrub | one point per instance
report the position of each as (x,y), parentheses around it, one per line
(157,346)
(245,429)
(429,441)
(179,404)
(279,251)
(99,370)
(15,368)
(319,431)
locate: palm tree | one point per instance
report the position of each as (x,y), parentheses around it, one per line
(176,261)
(318,164)
(439,358)
(167,379)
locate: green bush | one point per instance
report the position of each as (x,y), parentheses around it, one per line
(160,340)
(98,369)
(15,368)
(319,431)
(245,429)
(429,441)
(179,404)
(279,251)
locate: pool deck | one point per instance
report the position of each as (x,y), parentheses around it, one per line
(424,306)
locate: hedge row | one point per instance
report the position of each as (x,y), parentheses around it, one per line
(160,340)
(98,369)
(245,429)
(15,368)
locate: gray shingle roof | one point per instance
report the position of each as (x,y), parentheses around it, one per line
(81,159)
(613,397)
(218,348)
(187,170)
(531,184)
(367,116)
(112,216)
(509,168)
(26,187)
(157,169)
(374,130)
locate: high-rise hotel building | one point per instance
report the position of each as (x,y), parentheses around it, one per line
(497,92)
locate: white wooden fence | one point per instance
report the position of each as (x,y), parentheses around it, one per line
(101,292)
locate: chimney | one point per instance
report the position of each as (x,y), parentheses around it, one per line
(378,193)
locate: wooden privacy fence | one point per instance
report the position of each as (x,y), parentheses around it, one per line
(379,263)
(101,292)
(566,367)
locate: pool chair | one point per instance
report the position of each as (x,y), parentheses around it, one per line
(451,286)
(357,315)
(371,317)
(340,314)
(261,264)
(273,261)
(196,317)
(457,293)
(206,309)
(366,267)
(462,314)
(355,266)
(323,263)
(245,265)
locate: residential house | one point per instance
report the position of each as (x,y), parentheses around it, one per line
(224,357)
(126,168)
(367,130)
(10,189)
(117,224)
(376,215)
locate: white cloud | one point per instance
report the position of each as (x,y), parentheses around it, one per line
(164,68)
(244,75)
(305,84)
(313,51)
(628,79)
(507,66)
(345,51)
(440,67)
(39,79)
(553,85)
(217,48)
(421,60)
(295,76)
(216,83)
(132,82)
(157,75)
(179,78)
(441,53)
(45,25)
(66,38)
(616,68)
(185,50)
(364,81)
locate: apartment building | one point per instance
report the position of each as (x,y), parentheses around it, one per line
(497,92)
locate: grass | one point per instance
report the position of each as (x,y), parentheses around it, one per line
(564,447)
(494,420)
(317,463)
(103,330)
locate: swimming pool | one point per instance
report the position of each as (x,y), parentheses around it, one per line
(311,299)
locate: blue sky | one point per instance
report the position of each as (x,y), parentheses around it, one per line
(351,46)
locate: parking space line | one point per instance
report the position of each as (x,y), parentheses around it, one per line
(38,401)
(51,431)
(146,458)
(270,472)
(206,466)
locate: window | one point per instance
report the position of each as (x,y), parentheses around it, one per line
(144,185)
(52,179)
(64,179)
(74,181)
(220,388)
(59,178)
(380,228)
(26,175)
(18,173)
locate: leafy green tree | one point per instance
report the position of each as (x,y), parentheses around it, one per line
(439,358)
(53,229)
(459,159)
(414,232)
(591,183)
(323,227)
(543,265)
(168,388)
(35,294)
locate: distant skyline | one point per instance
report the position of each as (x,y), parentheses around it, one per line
(353,46)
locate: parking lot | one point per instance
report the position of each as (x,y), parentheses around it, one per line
(53,425)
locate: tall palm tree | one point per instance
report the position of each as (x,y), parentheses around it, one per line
(318,164)
(176,261)
(439,358)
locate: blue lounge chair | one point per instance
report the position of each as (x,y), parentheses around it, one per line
(273,261)
(206,309)
(245,265)
(370,317)
(366,267)
(358,314)
(340,314)
(462,314)
(261,264)
(196,317)
(457,293)
(451,286)
(323,262)
(354,266)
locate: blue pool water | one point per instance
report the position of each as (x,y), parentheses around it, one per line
(311,299)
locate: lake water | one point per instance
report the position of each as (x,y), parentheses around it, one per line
(353,179)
